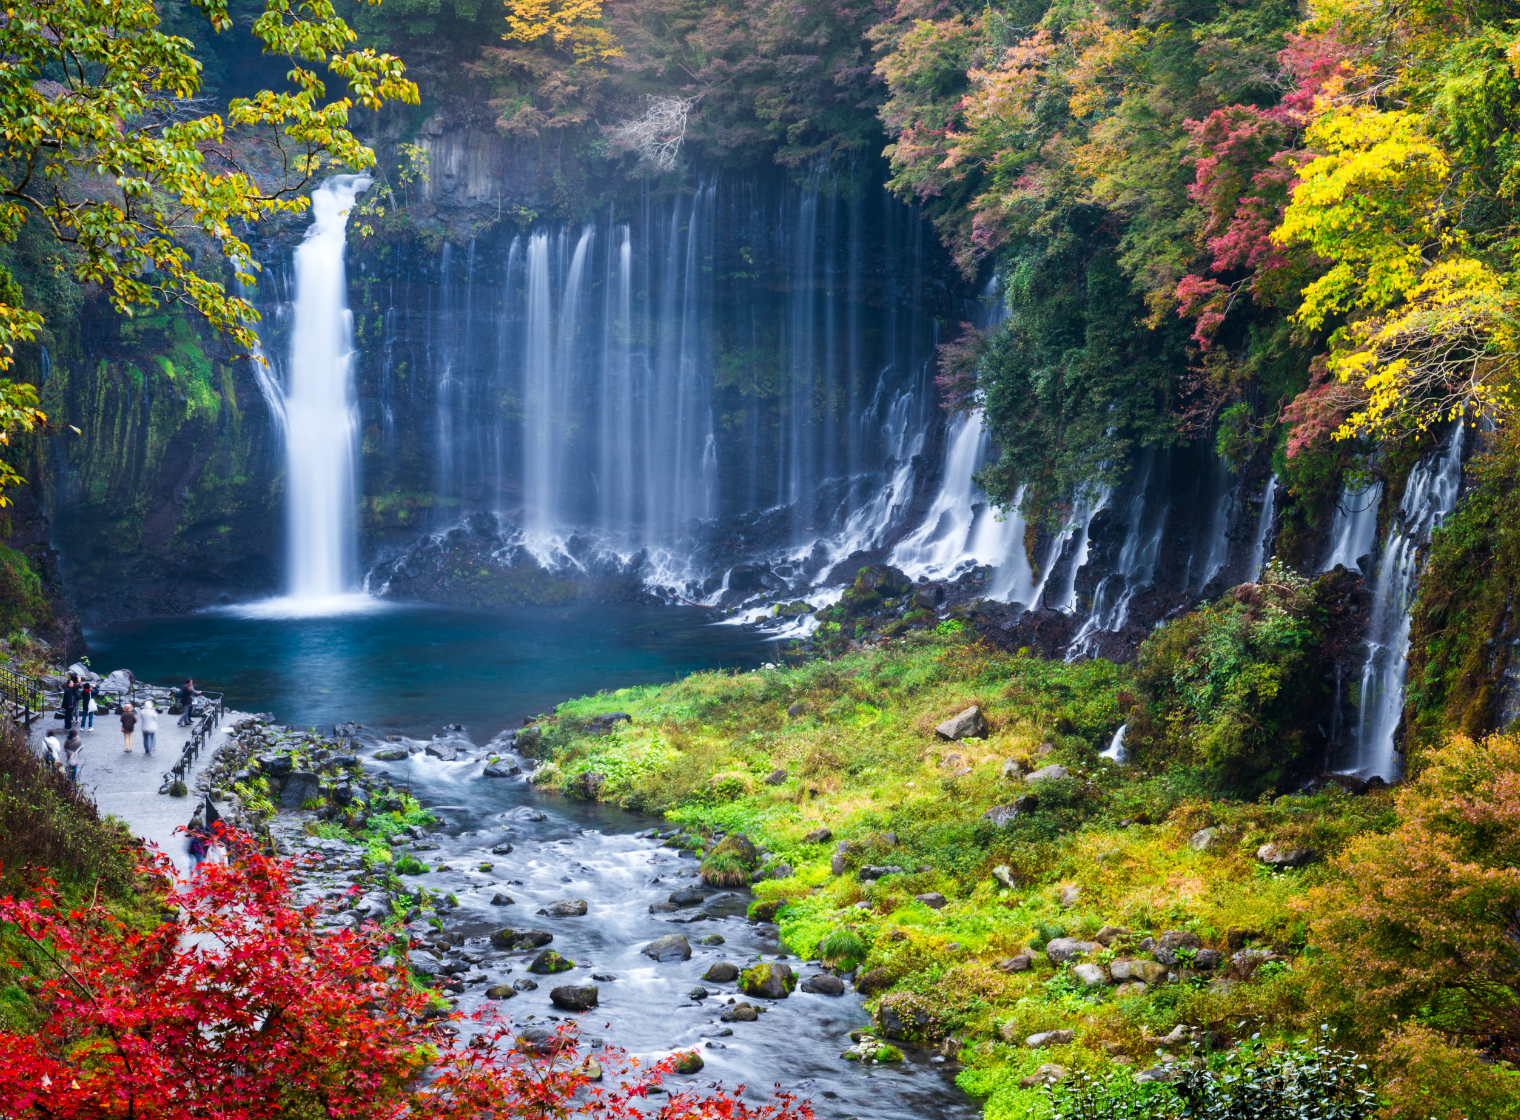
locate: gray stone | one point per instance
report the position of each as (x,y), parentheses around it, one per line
(1159,1074)
(698,993)
(818,836)
(501,770)
(1109,934)
(1064,948)
(1281,856)
(1146,972)
(1208,960)
(839,863)
(1005,876)
(575,997)
(687,896)
(740,1013)
(566,908)
(879,871)
(1049,1038)
(508,938)
(1172,940)
(444,751)
(424,962)
(824,985)
(392,754)
(501,991)
(1013,769)
(969,724)
(1068,896)
(1247,961)
(773,980)
(1048,773)
(1091,975)
(1203,839)
(775,871)
(933,900)
(1021,963)
(722,972)
(776,778)
(499,899)
(300,787)
(671,947)
(276,765)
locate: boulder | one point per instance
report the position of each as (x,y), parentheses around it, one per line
(1091,975)
(1021,963)
(1065,948)
(698,994)
(774,871)
(933,900)
(392,754)
(83,671)
(740,1013)
(549,961)
(501,769)
(824,985)
(1047,1074)
(689,1061)
(839,863)
(118,681)
(722,972)
(687,896)
(905,1016)
(499,899)
(1000,815)
(969,724)
(870,983)
(1282,856)
(1005,876)
(575,997)
(443,751)
(276,765)
(500,991)
(1203,839)
(768,980)
(1049,1038)
(298,788)
(1172,940)
(776,778)
(565,908)
(818,836)
(1208,960)
(766,909)
(525,985)
(879,871)
(1013,769)
(1146,972)
(671,947)
(1048,774)
(1109,934)
(1247,961)
(712,939)
(509,938)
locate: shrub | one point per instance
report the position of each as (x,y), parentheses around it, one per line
(842,948)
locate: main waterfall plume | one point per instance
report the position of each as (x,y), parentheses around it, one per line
(318,413)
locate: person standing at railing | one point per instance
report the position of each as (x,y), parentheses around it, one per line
(70,700)
(187,695)
(73,747)
(128,725)
(149,727)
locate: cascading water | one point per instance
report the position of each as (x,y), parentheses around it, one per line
(1429,496)
(1353,530)
(1259,556)
(317,412)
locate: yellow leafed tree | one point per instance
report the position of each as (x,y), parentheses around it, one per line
(573,26)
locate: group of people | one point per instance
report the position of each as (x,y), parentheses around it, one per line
(81,702)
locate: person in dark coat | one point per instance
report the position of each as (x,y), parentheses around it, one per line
(73,747)
(128,725)
(70,700)
(187,695)
(89,701)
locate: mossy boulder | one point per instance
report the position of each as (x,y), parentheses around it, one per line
(407,865)
(731,862)
(549,961)
(765,909)
(689,1061)
(906,1016)
(768,980)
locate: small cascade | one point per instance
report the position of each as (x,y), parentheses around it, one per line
(1429,496)
(1257,563)
(961,529)
(316,409)
(1116,749)
(1135,568)
(1353,530)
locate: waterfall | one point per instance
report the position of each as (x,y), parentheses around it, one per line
(1116,749)
(1429,496)
(1353,529)
(1258,560)
(319,417)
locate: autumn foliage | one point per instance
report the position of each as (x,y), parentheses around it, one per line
(237,1006)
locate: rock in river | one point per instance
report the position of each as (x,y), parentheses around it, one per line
(549,961)
(671,947)
(509,938)
(575,997)
(824,985)
(768,979)
(723,972)
(566,908)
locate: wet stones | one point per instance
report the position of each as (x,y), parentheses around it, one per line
(671,947)
(276,765)
(768,980)
(722,972)
(575,997)
(549,962)
(823,985)
(444,751)
(509,938)
(687,896)
(741,1012)
(500,769)
(689,1061)
(565,908)
(499,899)
(391,754)
(500,991)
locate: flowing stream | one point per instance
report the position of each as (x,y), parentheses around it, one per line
(574,850)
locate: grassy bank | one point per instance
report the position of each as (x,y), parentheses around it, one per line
(879,858)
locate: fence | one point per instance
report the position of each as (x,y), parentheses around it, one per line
(200,732)
(22,696)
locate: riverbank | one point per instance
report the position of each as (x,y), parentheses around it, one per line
(957,832)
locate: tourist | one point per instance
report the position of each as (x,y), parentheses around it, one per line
(128,723)
(149,727)
(53,752)
(73,747)
(187,695)
(87,705)
(70,700)
(197,845)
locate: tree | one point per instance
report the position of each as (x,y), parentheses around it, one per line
(238,1006)
(103,141)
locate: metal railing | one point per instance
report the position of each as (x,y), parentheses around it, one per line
(200,731)
(23,697)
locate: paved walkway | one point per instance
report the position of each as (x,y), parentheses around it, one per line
(126,785)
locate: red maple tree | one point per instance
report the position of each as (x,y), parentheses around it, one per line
(237,1006)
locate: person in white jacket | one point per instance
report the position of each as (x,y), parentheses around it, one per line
(149,726)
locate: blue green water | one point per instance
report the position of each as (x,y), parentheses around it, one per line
(412,669)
